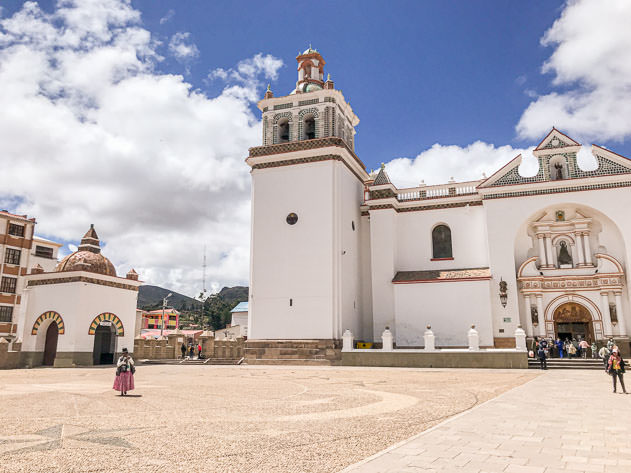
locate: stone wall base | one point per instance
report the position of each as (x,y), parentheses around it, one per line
(479,359)
(293,352)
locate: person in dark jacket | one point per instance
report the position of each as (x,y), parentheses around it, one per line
(541,354)
(183,350)
(615,367)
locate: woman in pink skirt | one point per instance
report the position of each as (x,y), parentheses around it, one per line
(125,369)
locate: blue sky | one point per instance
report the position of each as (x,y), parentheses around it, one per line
(114,109)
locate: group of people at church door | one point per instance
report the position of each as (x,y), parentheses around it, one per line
(125,369)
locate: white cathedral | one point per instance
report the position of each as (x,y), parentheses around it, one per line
(335,248)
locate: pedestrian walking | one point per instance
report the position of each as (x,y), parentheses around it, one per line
(199,350)
(584,345)
(603,353)
(191,352)
(541,353)
(610,344)
(125,369)
(571,350)
(615,368)
(183,350)
(560,347)
(594,350)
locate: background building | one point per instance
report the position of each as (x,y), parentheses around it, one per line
(20,252)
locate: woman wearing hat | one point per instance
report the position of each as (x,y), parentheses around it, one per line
(615,367)
(125,369)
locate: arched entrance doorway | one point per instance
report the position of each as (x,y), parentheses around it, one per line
(50,345)
(104,344)
(573,320)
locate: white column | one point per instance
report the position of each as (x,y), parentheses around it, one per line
(548,241)
(541,315)
(622,326)
(542,251)
(588,250)
(579,248)
(604,303)
(574,254)
(528,315)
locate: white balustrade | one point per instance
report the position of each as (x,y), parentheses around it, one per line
(430,340)
(474,339)
(520,339)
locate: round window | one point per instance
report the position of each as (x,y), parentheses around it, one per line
(292,218)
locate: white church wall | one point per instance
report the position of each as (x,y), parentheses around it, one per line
(468,238)
(383,247)
(292,262)
(366,332)
(350,199)
(450,308)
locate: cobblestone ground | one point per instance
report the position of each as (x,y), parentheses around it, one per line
(563,421)
(226,419)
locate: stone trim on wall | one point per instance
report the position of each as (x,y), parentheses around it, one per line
(107,317)
(100,282)
(446,205)
(292,146)
(310,159)
(557,190)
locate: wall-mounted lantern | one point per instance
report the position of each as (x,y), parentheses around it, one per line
(503,294)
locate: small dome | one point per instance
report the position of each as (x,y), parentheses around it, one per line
(88,257)
(311,87)
(310,50)
(87,261)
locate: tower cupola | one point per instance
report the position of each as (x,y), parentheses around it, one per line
(310,71)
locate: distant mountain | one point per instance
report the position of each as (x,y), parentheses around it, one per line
(150,298)
(234,295)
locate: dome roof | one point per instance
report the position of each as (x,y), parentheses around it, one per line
(88,257)
(311,87)
(310,50)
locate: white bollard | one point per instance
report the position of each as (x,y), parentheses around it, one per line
(429,339)
(520,339)
(386,338)
(347,341)
(474,339)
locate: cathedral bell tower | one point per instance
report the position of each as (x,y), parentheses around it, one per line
(307,187)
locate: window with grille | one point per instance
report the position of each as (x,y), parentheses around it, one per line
(6,313)
(8,284)
(12,256)
(16,230)
(43,252)
(441,242)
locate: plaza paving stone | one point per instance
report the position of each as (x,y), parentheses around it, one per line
(562,421)
(240,418)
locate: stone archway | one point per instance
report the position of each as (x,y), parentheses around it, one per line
(50,345)
(572,315)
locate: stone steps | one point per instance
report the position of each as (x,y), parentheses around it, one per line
(292,352)
(569,364)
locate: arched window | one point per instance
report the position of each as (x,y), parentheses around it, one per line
(441,242)
(283,131)
(558,168)
(309,127)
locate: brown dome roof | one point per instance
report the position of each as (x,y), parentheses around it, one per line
(88,257)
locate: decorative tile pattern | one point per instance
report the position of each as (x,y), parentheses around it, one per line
(308,102)
(513,177)
(107,317)
(606,167)
(442,275)
(61,328)
(100,282)
(283,106)
(557,190)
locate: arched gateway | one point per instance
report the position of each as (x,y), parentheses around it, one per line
(573,316)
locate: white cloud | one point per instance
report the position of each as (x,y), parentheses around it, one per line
(91,133)
(182,48)
(591,65)
(167,17)
(440,163)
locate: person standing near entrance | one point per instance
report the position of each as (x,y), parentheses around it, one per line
(594,350)
(541,354)
(584,346)
(615,368)
(125,370)
(560,347)
(183,350)
(604,354)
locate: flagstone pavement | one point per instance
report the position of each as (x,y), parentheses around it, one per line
(565,420)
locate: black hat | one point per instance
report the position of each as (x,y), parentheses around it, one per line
(124,350)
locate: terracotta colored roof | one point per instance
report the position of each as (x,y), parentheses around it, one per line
(22,217)
(87,261)
(440,275)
